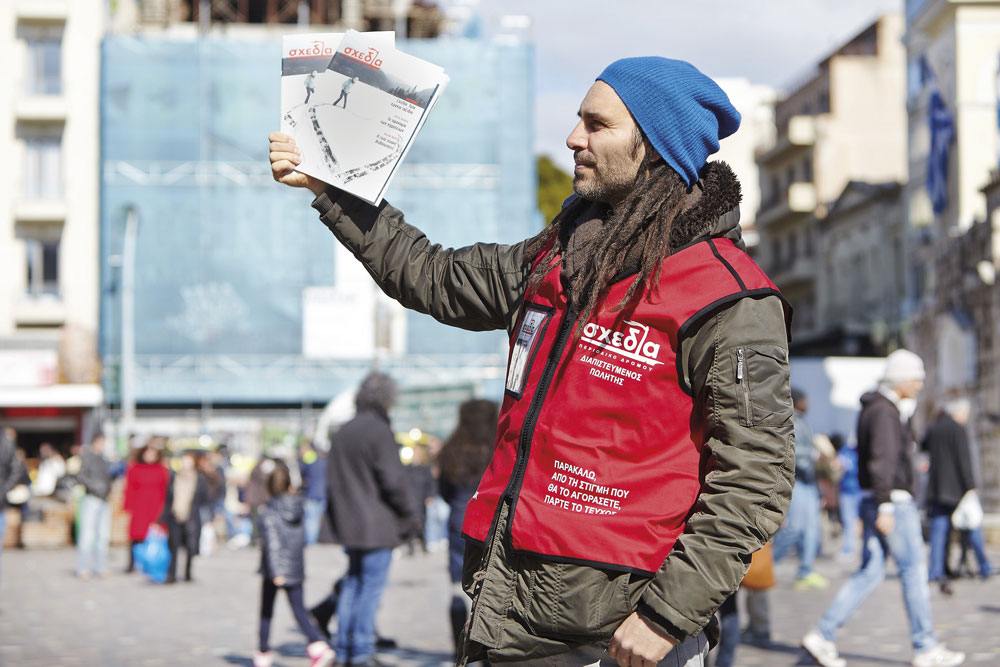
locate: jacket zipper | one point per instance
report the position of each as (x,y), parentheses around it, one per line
(740,364)
(528,428)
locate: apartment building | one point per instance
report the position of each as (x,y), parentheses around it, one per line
(845,121)
(49,219)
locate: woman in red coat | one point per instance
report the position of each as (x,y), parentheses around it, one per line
(146,482)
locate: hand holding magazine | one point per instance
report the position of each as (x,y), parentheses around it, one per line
(354,104)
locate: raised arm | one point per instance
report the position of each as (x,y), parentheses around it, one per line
(478,287)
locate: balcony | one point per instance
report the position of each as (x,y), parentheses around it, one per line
(43,10)
(801,133)
(41,109)
(791,276)
(40,210)
(798,200)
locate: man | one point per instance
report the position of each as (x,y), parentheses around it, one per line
(312,468)
(95,511)
(344,90)
(370,509)
(801,529)
(890,521)
(644,448)
(11,472)
(950,477)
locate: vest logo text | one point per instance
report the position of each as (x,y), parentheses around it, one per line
(632,343)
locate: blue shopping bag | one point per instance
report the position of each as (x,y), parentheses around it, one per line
(152,555)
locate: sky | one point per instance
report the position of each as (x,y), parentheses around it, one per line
(773,42)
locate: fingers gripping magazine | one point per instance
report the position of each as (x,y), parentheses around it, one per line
(354,103)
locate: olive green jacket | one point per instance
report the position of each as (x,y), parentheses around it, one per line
(524,607)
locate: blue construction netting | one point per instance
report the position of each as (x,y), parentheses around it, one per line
(223,253)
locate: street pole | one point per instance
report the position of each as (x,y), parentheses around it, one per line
(128,322)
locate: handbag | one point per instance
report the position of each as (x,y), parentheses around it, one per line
(152,555)
(968,515)
(760,575)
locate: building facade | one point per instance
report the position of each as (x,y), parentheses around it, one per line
(953,56)
(844,122)
(49,225)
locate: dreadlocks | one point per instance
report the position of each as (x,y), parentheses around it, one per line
(638,237)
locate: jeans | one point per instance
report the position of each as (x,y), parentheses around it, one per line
(850,512)
(360,593)
(940,520)
(729,632)
(801,529)
(95,533)
(267,594)
(906,545)
(314,510)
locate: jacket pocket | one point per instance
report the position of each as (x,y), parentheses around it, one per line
(761,381)
(568,601)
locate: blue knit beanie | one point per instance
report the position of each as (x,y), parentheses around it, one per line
(682,112)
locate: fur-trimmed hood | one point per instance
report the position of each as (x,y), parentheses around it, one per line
(712,207)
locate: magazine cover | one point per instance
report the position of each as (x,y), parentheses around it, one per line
(355,107)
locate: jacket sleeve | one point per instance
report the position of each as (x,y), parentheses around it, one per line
(748,461)
(271,543)
(964,455)
(478,287)
(391,478)
(886,441)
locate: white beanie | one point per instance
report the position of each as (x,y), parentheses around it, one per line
(903,365)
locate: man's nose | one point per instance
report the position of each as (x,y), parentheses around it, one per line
(577,139)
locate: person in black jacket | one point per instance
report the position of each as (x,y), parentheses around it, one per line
(11,470)
(950,477)
(186,495)
(283,540)
(95,511)
(370,508)
(463,459)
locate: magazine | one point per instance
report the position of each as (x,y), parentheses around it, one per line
(354,103)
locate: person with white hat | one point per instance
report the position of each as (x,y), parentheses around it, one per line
(890,520)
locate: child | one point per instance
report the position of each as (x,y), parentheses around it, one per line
(283,537)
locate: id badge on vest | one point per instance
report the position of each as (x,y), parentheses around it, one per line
(529,334)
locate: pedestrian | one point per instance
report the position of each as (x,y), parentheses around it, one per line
(312,467)
(95,511)
(757,583)
(51,468)
(801,530)
(637,296)
(463,459)
(187,493)
(11,470)
(951,476)
(282,565)
(344,90)
(423,488)
(370,509)
(849,499)
(146,481)
(890,521)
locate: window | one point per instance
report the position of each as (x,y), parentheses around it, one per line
(43,59)
(42,265)
(42,173)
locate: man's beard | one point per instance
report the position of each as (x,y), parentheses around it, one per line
(608,183)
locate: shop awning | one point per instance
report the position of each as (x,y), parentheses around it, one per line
(53,396)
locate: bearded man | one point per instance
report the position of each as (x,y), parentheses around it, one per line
(644,448)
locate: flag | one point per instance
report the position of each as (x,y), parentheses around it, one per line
(942,137)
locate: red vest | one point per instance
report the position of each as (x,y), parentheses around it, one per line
(598,446)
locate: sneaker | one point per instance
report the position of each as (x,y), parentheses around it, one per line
(263,659)
(810,582)
(938,655)
(822,650)
(320,654)
(83,575)
(946,588)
